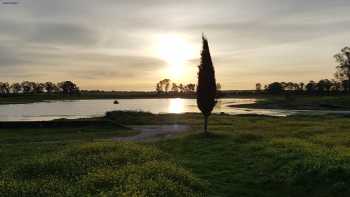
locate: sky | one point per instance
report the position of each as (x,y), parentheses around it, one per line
(132,44)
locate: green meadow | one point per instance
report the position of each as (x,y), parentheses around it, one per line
(242,156)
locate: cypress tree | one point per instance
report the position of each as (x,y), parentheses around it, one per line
(206,88)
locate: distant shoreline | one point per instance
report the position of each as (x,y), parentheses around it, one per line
(264,101)
(301,102)
(88,95)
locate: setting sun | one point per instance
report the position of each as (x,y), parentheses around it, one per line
(176,51)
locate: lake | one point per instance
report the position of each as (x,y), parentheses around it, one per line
(98,107)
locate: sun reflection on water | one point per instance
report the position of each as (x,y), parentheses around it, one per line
(176,106)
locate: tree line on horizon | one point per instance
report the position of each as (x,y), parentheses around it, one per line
(341,83)
(322,86)
(166,86)
(30,87)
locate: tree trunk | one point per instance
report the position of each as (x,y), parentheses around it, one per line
(347,88)
(206,125)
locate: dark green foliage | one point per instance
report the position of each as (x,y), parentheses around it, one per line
(269,156)
(343,68)
(35,88)
(323,86)
(206,87)
(100,169)
(68,87)
(275,88)
(139,118)
(94,130)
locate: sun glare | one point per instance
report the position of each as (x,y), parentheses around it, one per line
(176,51)
(176,106)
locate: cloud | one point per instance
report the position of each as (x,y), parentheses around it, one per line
(8,57)
(63,34)
(97,41)
(49,33)
(97,66)
(57,65)
(245,35)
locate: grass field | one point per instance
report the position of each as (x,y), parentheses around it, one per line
(84,161)
(243,156)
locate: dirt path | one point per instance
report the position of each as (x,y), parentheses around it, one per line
(153,132)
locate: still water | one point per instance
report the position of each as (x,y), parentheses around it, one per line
(91,108)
